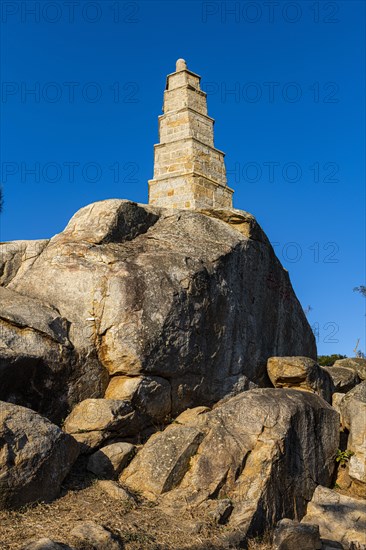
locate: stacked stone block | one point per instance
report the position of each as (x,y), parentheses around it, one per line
(189,172)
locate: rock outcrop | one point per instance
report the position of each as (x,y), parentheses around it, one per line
(300,373)
(265,450)
(192,304)
(35,457)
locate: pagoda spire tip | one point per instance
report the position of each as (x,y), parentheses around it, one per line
(180,65)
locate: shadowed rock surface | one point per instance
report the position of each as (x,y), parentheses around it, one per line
(35,457)
(344,378)
(39,367)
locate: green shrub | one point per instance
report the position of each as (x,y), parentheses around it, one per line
(343,456)
(329,360)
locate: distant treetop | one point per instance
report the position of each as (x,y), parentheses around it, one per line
(329,360)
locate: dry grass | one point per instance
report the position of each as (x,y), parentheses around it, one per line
(261,543)
(139,527)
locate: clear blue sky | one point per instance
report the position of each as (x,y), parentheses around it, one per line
(285,84)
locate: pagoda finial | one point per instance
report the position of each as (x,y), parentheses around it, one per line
(180,65)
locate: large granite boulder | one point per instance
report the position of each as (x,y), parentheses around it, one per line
(300,373)
(197,299)
(35,457)
(39,367)
(264,450)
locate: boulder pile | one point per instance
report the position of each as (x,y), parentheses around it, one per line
(165,353)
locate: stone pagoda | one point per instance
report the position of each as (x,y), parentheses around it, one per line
(189,172)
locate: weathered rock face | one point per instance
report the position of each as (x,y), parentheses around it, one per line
(344,378)
(178,295)
(39,368)
(341,519)
(300,373)
(35,457)
(353,415)
(265,450)
(94,421)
